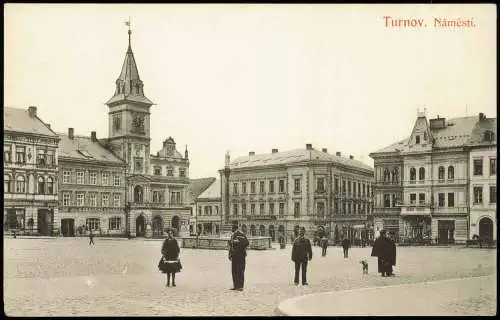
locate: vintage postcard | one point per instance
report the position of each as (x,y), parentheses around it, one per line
(250,159)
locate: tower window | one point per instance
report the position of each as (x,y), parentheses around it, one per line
(117,123)
(417,139)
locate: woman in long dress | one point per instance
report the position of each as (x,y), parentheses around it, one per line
(170,252)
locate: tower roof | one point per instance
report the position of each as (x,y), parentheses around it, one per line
(129,86)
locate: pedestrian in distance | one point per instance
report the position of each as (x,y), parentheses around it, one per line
(170,262)
(385,250)
(301,255)
(346,244)
(324,245)
(91,238)
(238,244)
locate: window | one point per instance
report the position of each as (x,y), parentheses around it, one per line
(282,186)
(343,187)
(105,200)
(364,189)
(137,164)
(252,208)
(105,178)
(359,189)
(41,185)
(296,209)
(493,194)
(296,183)
(92,223)
(6,183)
(421,198)
(252,187)
(93,200)
(117,122)
(417,139)
(156,196)
(20,155)
(115,223)
(116,200)
(271,209)
(478,195)
(116,180)
(451,199)
(441,200)
(80,177)
(320,207)
(261,209)
(493,166)
(6,154)
(394,200)
(451,173)
(66,199)
(93,177)
(489,136)
(199,211)
(157,171)
(413,174)
(20,184)
(50,157)
(344,208)
(478,167)
(441,174)
(235,188)
(349,208)
(387,200)
(40,157)
(175,197)
(217,210)
(354,188)
(261,187)
(336,207)
(170,171)
(182,172)
(271,186)
(387,175)
(282,209)
(66,176)
(80,199)
(354,208)
(413,198)
(421,174)
(50,185)
(244,209)
(349,188)
(320,184)
(244,187)
(336,185)
(235,209)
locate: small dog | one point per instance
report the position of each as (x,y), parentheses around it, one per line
(365,266)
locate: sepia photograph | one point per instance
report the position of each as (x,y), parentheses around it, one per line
(249,160)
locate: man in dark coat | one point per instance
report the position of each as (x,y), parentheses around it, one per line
(346,244)
(301,254)
(91,237)
(324,245)
(237,254)
(385,249)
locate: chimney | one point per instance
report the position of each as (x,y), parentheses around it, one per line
(274,151)
(71,132)
(309,146)
(251,153)
(351,157)
(93,136)
(32,111)
(338,154)
(325,150)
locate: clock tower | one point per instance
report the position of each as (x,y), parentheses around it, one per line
(129,117)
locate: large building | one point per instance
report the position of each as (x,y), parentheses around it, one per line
(276,193)
(422,182)
(483,179)
(30,172)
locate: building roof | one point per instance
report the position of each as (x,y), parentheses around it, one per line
(197,186)
(477,136)
(212,192)
(19,120)
(294,156)
(84,148)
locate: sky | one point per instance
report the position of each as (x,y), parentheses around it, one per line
(245,77)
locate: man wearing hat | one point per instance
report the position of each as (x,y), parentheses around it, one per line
(385,250)
(301,255)
(238,244)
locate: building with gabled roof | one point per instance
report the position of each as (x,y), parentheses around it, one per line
(209,209)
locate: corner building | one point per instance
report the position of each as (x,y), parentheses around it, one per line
(277,193)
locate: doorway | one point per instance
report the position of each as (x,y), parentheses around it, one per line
(175,225)
(45,222)
(140,228)
(68,227)
(271,233)
(486,229)
(446,230)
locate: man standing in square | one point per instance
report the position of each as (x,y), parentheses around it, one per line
(237,254)
(301,255)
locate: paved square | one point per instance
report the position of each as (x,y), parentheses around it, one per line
(66,277)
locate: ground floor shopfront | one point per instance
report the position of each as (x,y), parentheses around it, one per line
(41,219)
(483,225)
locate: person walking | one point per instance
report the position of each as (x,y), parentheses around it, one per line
(324,245)
(385,250)
(170,254)
(346,244)
(238,244)
(301,255)
(91,238)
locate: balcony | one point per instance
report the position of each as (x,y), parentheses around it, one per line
(350,217)
(451,210)
(416,183)
(156,205)
(448,182)
(92,209)
(416,209)
(30,197)
(388,184)
(383,211)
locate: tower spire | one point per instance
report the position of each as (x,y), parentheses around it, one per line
(127,23)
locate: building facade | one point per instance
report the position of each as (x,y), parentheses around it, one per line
(209,210)
(195,189)
(30,173)
(422,182)
(277,193)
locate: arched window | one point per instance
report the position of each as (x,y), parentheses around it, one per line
(6,183)
(395,175)
(451,173)
(386,175)
(50,185)
(421,174)
(441,173)
(20,184)
(138,194)
(157,170)
(41,185)
(413,174)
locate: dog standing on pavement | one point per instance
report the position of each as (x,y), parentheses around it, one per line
(365,266)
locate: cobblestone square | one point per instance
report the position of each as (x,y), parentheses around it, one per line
(66,277)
